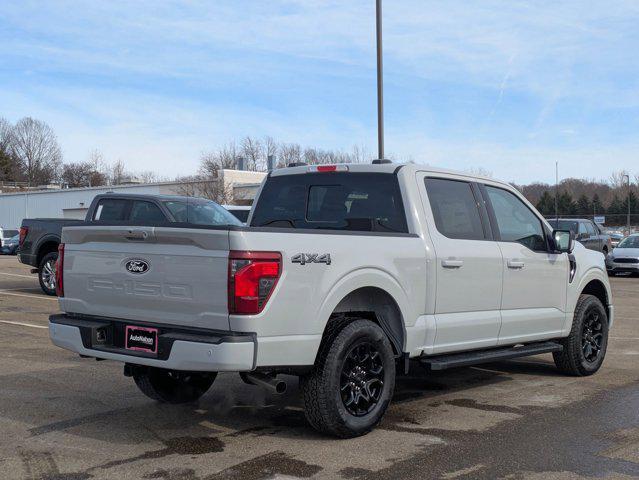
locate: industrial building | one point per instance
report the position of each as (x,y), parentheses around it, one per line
(238,186)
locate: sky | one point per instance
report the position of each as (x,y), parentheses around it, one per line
(508,87)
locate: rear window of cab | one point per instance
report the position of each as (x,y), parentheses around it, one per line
(366,202)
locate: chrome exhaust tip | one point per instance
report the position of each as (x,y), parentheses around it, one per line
(261,380)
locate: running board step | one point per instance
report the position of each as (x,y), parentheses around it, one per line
(442,362)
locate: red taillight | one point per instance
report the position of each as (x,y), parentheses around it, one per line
(252,279)
(59,268)
(23,235)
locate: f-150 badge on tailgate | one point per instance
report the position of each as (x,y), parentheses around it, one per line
(136,266)
(304,258)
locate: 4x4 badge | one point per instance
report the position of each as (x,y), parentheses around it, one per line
(304,258)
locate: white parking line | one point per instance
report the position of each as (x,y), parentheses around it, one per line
(42,297)
(18,275)
(22,324)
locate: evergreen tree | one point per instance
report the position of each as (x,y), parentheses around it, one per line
(616,206)
(546,204)
(597,206)
(567,205)
(634,204)
(584,207)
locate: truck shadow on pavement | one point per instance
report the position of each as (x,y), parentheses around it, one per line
(234,408)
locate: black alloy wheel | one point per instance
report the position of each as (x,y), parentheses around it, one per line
(592,335)
(584,349)
(362,379)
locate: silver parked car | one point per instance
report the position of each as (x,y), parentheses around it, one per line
(7,241)
(9,246)
(616,238)
(624,258)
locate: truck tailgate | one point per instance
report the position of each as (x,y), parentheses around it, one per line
(151,274)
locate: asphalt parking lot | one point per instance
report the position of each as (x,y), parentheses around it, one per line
(63,417)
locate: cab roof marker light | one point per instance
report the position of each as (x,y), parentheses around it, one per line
(328,168)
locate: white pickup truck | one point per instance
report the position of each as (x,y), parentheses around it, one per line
(345,276)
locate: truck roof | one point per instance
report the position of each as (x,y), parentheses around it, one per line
(387,168)
(147,196)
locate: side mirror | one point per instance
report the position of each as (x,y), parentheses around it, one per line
(564,241)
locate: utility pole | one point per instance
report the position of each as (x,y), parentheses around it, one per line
(556,193)
(380,83)
(628,201)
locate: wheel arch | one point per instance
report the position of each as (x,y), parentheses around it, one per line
(597,288)
(47,245)
(593,281)
(372,294)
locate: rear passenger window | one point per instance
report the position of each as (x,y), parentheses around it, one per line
(455,209)
(112,210)
(146,212)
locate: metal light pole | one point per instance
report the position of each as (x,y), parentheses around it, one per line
(628,201)
(556,193)
(380,83)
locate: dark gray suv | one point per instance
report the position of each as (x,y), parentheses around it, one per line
(586,232)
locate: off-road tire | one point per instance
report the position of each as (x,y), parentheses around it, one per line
(323,404)
(169,386)
(571,360)
(43,272)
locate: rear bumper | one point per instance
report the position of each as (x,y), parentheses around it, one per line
(27,259)
(178,348)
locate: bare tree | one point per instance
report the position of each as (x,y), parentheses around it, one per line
(224,158)
(289,153)
(77,174)
(36,148)
(212,188)
(618,178)
(117,173)
(148,176)
(253,153)
(8,164)
(99,171)
(270,149)
(360,155)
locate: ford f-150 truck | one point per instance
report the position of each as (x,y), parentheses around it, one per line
(344,276)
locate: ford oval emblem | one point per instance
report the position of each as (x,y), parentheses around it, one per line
(137,266)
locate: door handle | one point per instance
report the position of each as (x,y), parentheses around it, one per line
(136,235)
(452,263)
(515,264)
